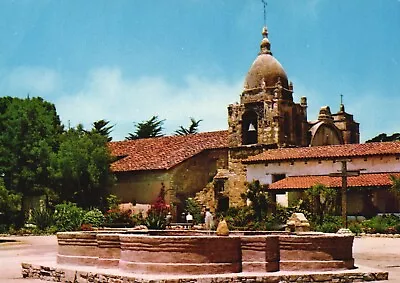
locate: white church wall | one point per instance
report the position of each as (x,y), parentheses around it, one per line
(264,172)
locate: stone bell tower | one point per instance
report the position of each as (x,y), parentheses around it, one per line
(266,113)
(266,117)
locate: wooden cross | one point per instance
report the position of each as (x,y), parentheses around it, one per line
(344,173)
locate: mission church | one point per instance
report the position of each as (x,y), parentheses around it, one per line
(270,139)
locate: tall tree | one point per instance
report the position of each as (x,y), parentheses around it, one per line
(102,127)
(147,129)
(81,168)
(192,129)
(385,138)
(30,130)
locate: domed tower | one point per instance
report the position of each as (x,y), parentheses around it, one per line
(266,113)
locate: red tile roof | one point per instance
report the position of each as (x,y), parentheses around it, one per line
(305,182)
(163,152)
(327,152)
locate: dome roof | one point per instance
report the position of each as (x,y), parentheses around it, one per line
(265,70)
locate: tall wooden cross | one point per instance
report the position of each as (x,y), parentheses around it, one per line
(344,173)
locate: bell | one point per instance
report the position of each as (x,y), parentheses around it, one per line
(251,128)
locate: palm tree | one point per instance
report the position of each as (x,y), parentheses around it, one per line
(193,128)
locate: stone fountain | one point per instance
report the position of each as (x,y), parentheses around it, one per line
(190,256)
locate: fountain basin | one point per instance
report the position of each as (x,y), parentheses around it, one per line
(192,252)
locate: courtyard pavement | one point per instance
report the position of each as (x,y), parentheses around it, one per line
(378,253)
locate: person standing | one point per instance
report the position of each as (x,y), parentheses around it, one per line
(189,218)
(208,219)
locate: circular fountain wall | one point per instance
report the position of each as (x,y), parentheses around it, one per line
(180,254)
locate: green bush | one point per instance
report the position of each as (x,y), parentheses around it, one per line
(195,210)
(117,218)
(355,227)
(382,224)
(68,217)
(239,217)
(331,224)
(94,217)
(42,218)
(397,228)
(10,207)
(257,194)
(112,201)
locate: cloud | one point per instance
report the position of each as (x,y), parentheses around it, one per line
(30,80)
(107,94)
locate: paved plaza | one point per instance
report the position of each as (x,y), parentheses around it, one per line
(377,253)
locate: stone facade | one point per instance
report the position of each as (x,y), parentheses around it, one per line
(267,117)
(180,182)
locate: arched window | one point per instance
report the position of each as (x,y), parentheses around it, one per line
(249,128)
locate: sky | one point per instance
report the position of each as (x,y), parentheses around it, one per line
(127,60)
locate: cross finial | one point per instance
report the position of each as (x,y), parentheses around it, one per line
(341,109)
(265,11)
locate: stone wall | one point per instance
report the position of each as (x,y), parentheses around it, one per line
(180,182)
(141,186)
(58,274)
(192,175)
(236,183)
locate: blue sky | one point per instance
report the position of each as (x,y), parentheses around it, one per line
(127,60)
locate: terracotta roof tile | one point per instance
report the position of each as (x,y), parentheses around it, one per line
(305,182)
(329,151)
(163,152)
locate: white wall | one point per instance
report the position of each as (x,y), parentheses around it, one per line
(264,171)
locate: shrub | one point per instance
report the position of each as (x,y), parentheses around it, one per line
(397,228)
(156,216)
(117,218)
(68,217)
(321,202)
(257,194)
(94,217)
(331,224)
(195,210)
(156,220)
(382,224)
(10,207)
(112,201)
(239,217)
(355,227)
(42,218)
